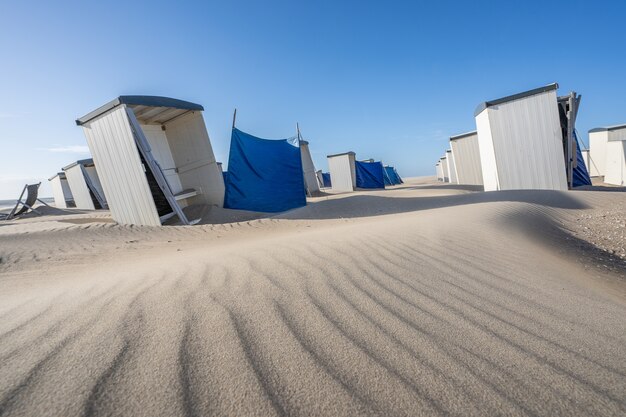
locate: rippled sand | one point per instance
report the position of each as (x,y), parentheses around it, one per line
(421,300)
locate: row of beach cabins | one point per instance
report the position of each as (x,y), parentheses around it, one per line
(152,158)
(529,141)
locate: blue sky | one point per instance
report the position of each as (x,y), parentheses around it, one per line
(388,80)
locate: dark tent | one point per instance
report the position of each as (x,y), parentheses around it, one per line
(580,174)
(369,174)
(264,175)
(326,178)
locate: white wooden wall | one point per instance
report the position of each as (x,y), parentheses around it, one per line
(487,154)
(92,172)
(445,169)
(57,192)
(163,155)
(597,153)
(439,170)
(342,172)
(121,173)
(193,155)
(320,179)
(467,160)
(451,167)
(309,169)
(615,166)
(526,144)
(80,191)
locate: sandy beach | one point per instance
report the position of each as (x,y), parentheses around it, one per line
(423,299)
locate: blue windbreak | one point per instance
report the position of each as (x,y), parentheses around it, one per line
(369,174)
(263,175)
(386,177)
(326,179)
(391,176)
(580,175)
(398,177)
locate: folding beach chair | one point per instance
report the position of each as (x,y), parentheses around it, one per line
(32,191)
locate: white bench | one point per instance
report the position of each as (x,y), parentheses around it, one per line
(186,194)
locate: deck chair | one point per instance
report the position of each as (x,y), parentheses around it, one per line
(32,191)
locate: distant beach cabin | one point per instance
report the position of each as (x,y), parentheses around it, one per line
(85,185)
(310,177)
(521,141)
(154,158)
(320,178)
(444,168)
(466,154)
(598,144)
(452,178)
(342,171)
(610,143)
(61,191)
(439,171)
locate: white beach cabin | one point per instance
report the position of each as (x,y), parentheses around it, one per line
(439,170)
(320,178)
(342,171)
(85,185)
(466,154)
(310,177)
(521,141)
(61,191)
(154,158)
(452,177)
(598,140)
(613,140)
(445,169)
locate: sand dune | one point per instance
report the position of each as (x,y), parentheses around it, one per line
(420,300)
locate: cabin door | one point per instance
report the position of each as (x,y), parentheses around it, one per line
(163,155)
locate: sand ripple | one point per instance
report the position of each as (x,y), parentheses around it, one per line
(489,309)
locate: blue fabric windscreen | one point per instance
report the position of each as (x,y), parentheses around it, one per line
(391,176)
(398,177)
(326,178)
(580,174)
(264,175)
(369,174)
(386,177)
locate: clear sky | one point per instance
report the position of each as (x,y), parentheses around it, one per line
(389,80)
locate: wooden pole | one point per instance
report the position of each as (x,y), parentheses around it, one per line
(234,117)
(306,188)
(574,142)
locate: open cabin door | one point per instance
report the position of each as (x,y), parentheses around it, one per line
(153,166)
(568,111)
(96,197)
(160,150)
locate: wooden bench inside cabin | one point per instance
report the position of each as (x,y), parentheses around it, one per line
(188,193)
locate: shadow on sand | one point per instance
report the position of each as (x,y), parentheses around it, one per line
(358,204)
(546,231)
(443,186)
(373,205)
